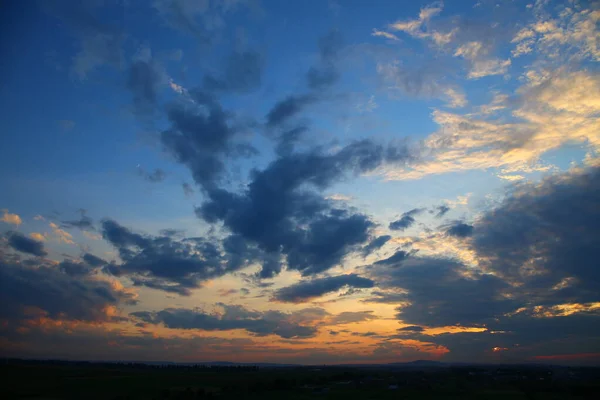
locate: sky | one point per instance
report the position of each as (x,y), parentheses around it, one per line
(309,182)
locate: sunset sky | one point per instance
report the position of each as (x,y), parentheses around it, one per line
(311,182)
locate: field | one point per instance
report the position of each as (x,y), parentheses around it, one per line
(63,380)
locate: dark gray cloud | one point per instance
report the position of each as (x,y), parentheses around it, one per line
(543,235)
(459,229)
(74,268)
(411,328)
(280,218)
(287,108)
(521,337)
(242,73)
(281,213)
(326,73)
(406,220)
(143,81)
(375,244)
(395,259)
(307,290)
(541,244)
(93,260)
(386,297)
(201,136)
(84,222)
(319,77)
(232,317)
(438,292)
(440,211)
(286,140)
(63,291)
(169,263)
(364,334)
(25,244)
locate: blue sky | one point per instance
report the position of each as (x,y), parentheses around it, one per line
(288,136)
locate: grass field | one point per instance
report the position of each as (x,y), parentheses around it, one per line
(31,380)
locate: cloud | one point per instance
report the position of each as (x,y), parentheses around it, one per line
(280,213)
(440,292)
(384,34)
(93,260)
(465,38)
(406,220)
(339,197)
(188,191)
(543,234)
(440,211)
(144,79)
(37,236)
(366,334)
(57,292)
(543,122)
(22,243)
(534,280)
(411,328)
(459,229)
(571,34)
(83,223)
(511,178)
(481,64)
(92,236)
(201,135)
(322,75)
(326,73)
(61,235)
(231,317)
(9,218)
(424,80)
(183,14)
(287,108)
(227,292)
(171,264)
(201,19)
(395,259)
(351,317)
(287,139)
(242,73)
(456,98)
(419,27)
(375,244)
(368,106)
(86,341)
(307,290)
(99,44)
(158,175)
(521,338)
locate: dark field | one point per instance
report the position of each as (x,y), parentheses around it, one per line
(62,380)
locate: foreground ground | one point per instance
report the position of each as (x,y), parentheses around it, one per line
(62,380)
